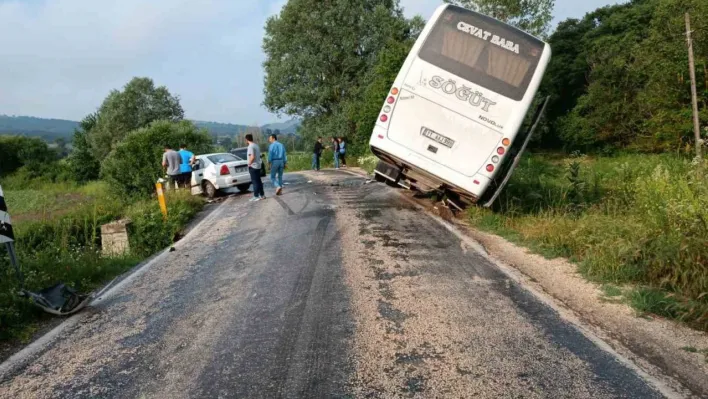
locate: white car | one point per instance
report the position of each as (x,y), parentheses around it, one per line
(216,172)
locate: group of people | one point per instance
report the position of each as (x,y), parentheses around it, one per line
(339,149)
(277,159)
(178,165)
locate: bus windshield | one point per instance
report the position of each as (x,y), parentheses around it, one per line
(483,51)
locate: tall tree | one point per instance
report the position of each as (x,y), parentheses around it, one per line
(319,58)
(619,77)
(533,16)
(136,106)
(83,164)
(317,51)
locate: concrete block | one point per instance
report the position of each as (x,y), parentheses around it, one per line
(114,238)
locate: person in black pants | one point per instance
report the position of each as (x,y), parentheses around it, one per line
(317,154)
(254,168)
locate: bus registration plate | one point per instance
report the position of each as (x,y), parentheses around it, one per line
(435,136)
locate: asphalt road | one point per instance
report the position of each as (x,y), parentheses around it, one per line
(337,289)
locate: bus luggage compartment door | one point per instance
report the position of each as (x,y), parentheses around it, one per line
(441,135)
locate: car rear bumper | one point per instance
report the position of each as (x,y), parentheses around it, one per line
(224,182)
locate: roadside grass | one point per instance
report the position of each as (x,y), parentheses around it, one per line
(57,228)
(298,161)
(629,219)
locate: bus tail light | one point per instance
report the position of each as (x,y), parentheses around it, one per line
(501,150)
(495,159)
(506,142)
(387,109)
(381,136)
(394,91)
(490,168)
(384,118)
(390,100)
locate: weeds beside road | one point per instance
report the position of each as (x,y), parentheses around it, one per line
(639,220)
(58,239)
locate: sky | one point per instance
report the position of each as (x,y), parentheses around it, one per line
(60,58)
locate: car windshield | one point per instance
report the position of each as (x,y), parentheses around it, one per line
(240,153)
(223,158)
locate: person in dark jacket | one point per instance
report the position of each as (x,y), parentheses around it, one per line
(317,154)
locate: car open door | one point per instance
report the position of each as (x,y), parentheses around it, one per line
(197,177)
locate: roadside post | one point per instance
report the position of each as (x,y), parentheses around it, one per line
(161,197)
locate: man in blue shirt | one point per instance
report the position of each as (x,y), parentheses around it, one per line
(278,160)
(185,166)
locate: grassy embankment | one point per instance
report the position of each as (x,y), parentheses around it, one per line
(636,223)
(58,239)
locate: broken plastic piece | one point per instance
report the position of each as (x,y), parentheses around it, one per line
(58,299)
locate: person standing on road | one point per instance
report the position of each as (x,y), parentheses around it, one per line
(342,152)
(317,154)
(185,167)
(278,160)
(171,163)
(335,148)
(253,153)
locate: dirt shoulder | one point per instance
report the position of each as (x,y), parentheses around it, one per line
(662,348)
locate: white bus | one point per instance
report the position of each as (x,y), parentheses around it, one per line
(452,118)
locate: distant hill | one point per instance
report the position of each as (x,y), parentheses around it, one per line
(230,129)
(52,129)
(289,127)
(48,129)
(221,129)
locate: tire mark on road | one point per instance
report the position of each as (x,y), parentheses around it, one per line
(284,206)
(295,314)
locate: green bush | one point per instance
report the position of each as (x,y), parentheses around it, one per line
(135,164)
(149,231)
(19,151)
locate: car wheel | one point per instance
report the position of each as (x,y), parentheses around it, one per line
(209,190)
(243,187)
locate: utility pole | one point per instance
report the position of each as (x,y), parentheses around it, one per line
(694,95)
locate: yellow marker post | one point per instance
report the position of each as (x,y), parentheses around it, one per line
(161,198)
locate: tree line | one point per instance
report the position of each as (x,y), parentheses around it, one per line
(618,79)
(121,143)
